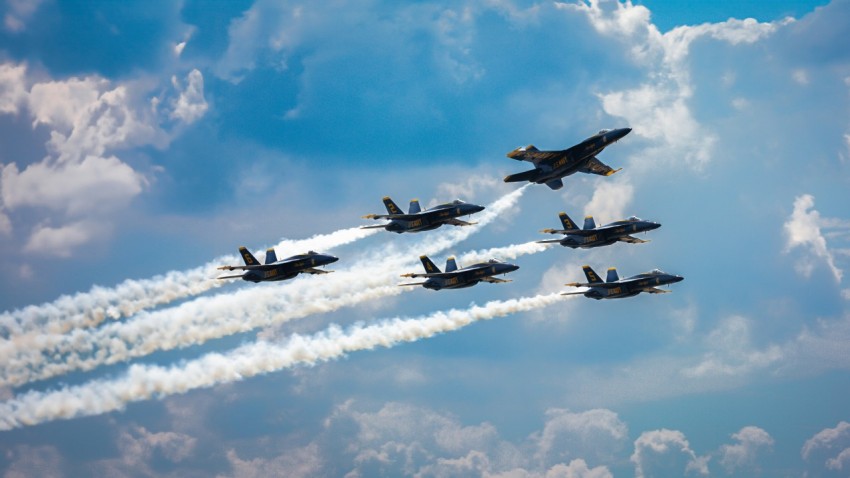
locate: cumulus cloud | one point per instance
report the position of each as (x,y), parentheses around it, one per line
(731,352)
(666,453)
(26,461)
(61,241)
(823,445)
(13,91)
(595,434)
(610,201)
(19,12)
(81,179)
(803,229)
(744,454)
(191,104)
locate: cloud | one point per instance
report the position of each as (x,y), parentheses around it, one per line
(751,441)
(731,353)
(803,229)
(666,453)
(610,201)
(20,11)
(26,461)
(191,105)
(825,442)
(13,91)
(299,462)
(594,434)
(60,241)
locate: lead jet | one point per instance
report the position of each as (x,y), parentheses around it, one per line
(592,236)
(418,220)
(616,288)
(551,166)
(275,270)
(455,278)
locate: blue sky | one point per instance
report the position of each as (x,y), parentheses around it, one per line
(141,146)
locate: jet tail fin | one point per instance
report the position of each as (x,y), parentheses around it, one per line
(589,223)
(271,257)
(567,222)
(414,207)
(451,264)
(612,275)
(430,267)
(249,258)
(391,206)
(592,276)
(523,176)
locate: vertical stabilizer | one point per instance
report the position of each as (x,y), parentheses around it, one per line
(592,276)
(249,258)
(430,268)
(390,205)
(270,255)
(451,265)
(567,222)
(414,207)
(589,223)
(612,275)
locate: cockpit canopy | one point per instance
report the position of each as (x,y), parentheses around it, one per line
(603,131)
(634,219)
(656,272)
(494,261)
(457,201)
(312,253)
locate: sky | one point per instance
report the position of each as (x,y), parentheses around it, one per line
(141,144)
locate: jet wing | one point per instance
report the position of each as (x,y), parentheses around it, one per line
(237,276)
(392,216)
(379,226)
(534,155)
(632,240)
(654,290)
(315,271)
(257,267)
(458,222)
(595,166)
(604,285)
(440,275)
(411,283)
(549,241)
(493,280)
(572,232)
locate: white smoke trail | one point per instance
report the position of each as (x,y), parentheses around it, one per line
(30,358)
(142,382)
(89,309)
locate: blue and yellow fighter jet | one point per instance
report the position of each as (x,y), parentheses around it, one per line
(275,270)
(616,288)
(455,278)
(418,220)
(592,236)
(551,166)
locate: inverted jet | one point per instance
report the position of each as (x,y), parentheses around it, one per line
(592,236)
(418,220)
(275,270)
(551,166)
(616,288)
(455,278)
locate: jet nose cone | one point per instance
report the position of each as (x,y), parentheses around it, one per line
(678,279)
(477,208)
(654,225)
(512,267)
(331,259)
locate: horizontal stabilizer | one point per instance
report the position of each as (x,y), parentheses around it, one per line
(411,283)
(548,241)
(237,276)
(572,293)
(380,226)
(458,222)
(632,240)
(529,175)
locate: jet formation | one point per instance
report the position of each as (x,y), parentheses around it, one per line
(616,288)
(417,220)
(551,166)
(275,270)
(455,278)
(592,236)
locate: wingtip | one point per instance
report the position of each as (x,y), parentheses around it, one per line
(614,171)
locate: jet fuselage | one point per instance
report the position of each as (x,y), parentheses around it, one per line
(287,268)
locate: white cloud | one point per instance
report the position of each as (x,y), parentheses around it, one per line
(5,224)
(666,453)
(27,461)
(299,462)
(578,469)
(610,201)
(803,229)
(20,11)
(61,241)
(731,353)
(800,76)
(191,105)
(13,91)
(596,434)
(751,440)
(93,185)
(828,438)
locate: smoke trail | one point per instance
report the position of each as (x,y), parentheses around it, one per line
(89,309)
(142,382)
(31,358)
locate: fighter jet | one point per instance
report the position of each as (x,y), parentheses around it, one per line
(418,220)
(616,288)
(455,278)
(551,166)
(275,270)
(592,236)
